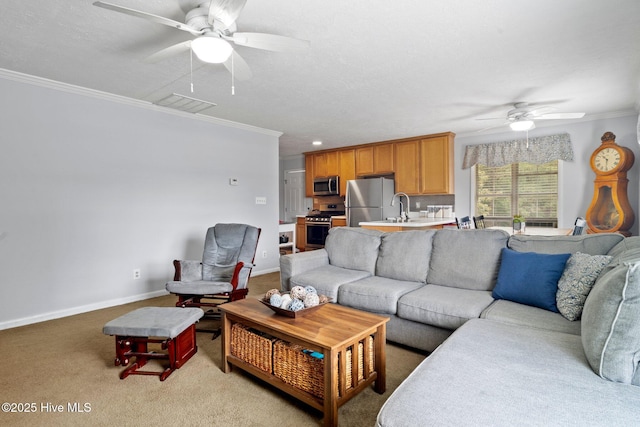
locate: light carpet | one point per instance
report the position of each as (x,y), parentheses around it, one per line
(63,372)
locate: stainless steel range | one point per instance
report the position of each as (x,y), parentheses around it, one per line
(318,223)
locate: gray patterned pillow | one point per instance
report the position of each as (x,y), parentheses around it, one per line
(576,282)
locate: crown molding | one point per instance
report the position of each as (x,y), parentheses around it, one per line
(92,93)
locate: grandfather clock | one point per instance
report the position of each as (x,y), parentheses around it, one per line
(610,210)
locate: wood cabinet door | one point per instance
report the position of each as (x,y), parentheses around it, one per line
(347,160)
(308,175)
(407,166)
(364,161)
(332,163)
(301,236)
(436,165)
(320,165)
(383,158)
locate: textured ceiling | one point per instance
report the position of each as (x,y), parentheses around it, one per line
(376,70)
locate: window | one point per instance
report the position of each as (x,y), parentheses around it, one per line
(523,189)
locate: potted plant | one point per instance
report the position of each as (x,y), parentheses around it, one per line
(519,224)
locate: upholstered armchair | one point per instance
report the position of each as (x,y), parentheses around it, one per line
(223,274)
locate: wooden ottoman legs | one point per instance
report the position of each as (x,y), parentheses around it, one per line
(178,351)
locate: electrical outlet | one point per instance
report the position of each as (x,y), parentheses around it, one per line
(417,205)
(264,254)
(136,274)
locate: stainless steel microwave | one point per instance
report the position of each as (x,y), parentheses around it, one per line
(327,186)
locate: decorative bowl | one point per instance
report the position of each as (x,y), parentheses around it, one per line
(291,313)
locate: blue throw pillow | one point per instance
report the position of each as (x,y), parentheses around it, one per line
(530,278)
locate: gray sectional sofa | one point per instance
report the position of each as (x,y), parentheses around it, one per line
(494,360)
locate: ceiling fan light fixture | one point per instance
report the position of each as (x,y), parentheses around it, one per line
(212,50)
(522,125)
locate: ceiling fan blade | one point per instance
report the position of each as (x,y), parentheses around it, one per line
(169,52)
(559,116)
(540,111)
(270,42)
(238,67)
(493,127)
(149,17)
(225,11)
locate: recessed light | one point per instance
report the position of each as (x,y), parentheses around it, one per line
(317,142)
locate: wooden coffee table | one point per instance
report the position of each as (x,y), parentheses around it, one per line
(330,330)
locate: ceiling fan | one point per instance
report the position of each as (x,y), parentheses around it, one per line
(214,24)
(523,115)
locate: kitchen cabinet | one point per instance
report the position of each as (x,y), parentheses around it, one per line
(376,159)
(326,164)
(407,166)
(338,222)
(308,174)
(421,165)
(436,164)
(301,233)
(425,165)
(347,162)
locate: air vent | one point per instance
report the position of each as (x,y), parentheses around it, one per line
(185,103)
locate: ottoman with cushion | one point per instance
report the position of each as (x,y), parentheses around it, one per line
(173,328)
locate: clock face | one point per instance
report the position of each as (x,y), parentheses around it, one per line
(607,159)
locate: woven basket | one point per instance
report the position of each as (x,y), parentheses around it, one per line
(254,347)
(306,372)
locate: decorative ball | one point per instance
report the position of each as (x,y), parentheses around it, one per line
(322,299)
(311,300)
(270,292)
(275,300)
(298,292)
(310,290)
(286,300)
(296,305)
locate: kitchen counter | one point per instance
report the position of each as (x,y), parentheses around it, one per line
(412,224)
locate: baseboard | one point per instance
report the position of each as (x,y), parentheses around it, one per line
(99,305)
(78,310)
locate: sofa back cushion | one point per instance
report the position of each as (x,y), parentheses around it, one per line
(610,326)
(592,244)
(405,255)
(353,248)
(467,259)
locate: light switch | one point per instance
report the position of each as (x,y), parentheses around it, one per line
(261,200)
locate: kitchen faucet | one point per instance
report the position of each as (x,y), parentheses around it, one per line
(404,215)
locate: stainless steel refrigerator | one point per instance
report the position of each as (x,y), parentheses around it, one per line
(370,200)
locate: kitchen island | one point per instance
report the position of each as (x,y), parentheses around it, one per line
(412,224)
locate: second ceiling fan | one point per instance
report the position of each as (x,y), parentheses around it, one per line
(523,115)
(214,24)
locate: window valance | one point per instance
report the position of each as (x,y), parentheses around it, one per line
(536,150)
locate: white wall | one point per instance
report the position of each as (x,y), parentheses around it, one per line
(92,187)
(576,178)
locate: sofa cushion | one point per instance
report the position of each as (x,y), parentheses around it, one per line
(493,374)
(353,248)
(611,326)
(530,278)
(632,242)
(592,244)
(405,256)
(524,315)
(627,251)
(443,306)
(467,259)
(375,294)
(576,282)
(327,279)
